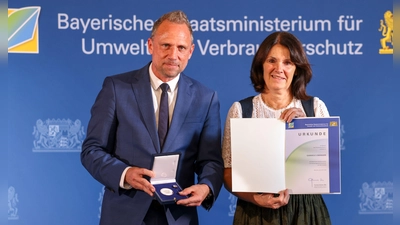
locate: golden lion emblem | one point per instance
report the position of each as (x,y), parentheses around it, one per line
(387,33)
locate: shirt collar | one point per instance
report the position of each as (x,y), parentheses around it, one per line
(156,82)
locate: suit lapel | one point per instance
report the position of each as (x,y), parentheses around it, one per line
(182,105)
(142,89)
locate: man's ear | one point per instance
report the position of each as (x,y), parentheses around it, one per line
(191,51)
(150,45)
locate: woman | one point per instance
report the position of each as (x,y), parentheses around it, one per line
(280,72)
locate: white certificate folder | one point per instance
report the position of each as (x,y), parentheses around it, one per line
(269,155)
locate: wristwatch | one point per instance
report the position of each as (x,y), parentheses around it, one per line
(209,196)
(208,201)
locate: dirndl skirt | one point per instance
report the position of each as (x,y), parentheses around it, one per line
(301,210)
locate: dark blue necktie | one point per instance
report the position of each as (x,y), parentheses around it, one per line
(163,117)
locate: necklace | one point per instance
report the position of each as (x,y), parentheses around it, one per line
(276,108)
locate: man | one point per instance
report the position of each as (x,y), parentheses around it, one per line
(123,137)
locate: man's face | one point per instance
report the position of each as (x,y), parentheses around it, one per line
(171,48)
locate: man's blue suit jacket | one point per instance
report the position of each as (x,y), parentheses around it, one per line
(122,132)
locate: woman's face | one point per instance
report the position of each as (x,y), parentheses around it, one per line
(278,69)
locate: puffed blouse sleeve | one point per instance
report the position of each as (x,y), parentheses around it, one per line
(320,108)
(234,112)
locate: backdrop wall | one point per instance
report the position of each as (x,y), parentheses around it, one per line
(60,52)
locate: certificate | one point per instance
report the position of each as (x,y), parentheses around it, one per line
(269,155)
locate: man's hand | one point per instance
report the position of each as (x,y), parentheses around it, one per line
(197,193)
(136,177)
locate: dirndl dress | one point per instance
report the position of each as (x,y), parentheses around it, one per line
(301,210)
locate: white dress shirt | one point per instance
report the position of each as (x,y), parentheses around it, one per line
(156,94)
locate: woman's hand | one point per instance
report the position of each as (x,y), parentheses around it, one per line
(289,114)
(269,201)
